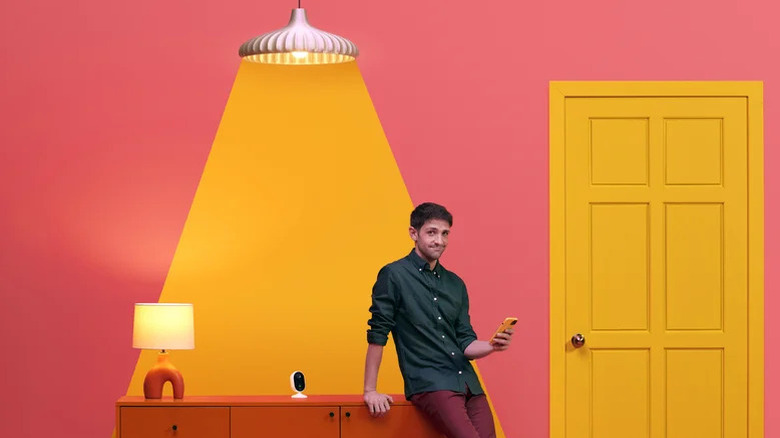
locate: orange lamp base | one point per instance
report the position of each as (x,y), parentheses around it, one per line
(163,371)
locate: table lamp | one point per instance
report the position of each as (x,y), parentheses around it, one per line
(163,326)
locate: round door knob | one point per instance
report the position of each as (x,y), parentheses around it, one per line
(348,414)
(331,414)
(578,340)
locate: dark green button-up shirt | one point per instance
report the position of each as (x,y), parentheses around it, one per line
(427,311)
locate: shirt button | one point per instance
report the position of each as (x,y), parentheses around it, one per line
(440,317)
(442,336)
(453,353)
(420,269)
(435,299)
(460,372)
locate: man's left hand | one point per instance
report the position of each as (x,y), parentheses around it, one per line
(502,340)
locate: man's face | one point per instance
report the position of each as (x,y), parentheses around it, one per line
(431,239)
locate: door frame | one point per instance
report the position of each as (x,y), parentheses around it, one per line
(753,91)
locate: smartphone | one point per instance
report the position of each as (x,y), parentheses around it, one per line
(507,324)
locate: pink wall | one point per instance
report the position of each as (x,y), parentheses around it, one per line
(109,112)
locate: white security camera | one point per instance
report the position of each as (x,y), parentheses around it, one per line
(298,384)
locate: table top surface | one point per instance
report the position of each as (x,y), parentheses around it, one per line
(252,400)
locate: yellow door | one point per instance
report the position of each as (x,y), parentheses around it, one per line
(656,268)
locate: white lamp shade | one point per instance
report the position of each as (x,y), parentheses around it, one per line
(163,326)
(298,43)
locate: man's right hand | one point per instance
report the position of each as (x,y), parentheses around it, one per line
(378,404)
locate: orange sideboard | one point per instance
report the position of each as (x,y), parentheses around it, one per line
(322,416)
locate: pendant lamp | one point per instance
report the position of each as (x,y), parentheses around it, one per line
(298,43)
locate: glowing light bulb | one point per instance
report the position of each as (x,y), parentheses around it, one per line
(299,54)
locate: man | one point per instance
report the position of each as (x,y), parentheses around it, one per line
(426,307)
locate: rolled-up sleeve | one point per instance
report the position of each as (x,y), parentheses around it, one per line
(464,333)
(383,305)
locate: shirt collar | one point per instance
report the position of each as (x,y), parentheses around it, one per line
(419,263)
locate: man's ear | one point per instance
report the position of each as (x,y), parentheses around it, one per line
(413,233)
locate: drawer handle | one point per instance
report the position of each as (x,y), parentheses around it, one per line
(332,415)
(174,427)
(348,414)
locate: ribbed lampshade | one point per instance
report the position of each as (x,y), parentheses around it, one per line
(163,326)
(299,43)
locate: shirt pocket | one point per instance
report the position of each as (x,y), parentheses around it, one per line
(419,308)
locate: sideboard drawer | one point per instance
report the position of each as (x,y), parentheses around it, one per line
(285,422)
(401,421)
(169,422)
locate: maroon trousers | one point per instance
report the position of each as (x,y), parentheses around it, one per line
(457,415)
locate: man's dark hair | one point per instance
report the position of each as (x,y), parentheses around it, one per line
(427,211)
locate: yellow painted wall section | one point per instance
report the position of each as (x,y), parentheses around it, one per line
(300,204)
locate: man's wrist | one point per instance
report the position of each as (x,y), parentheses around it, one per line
(367,390)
